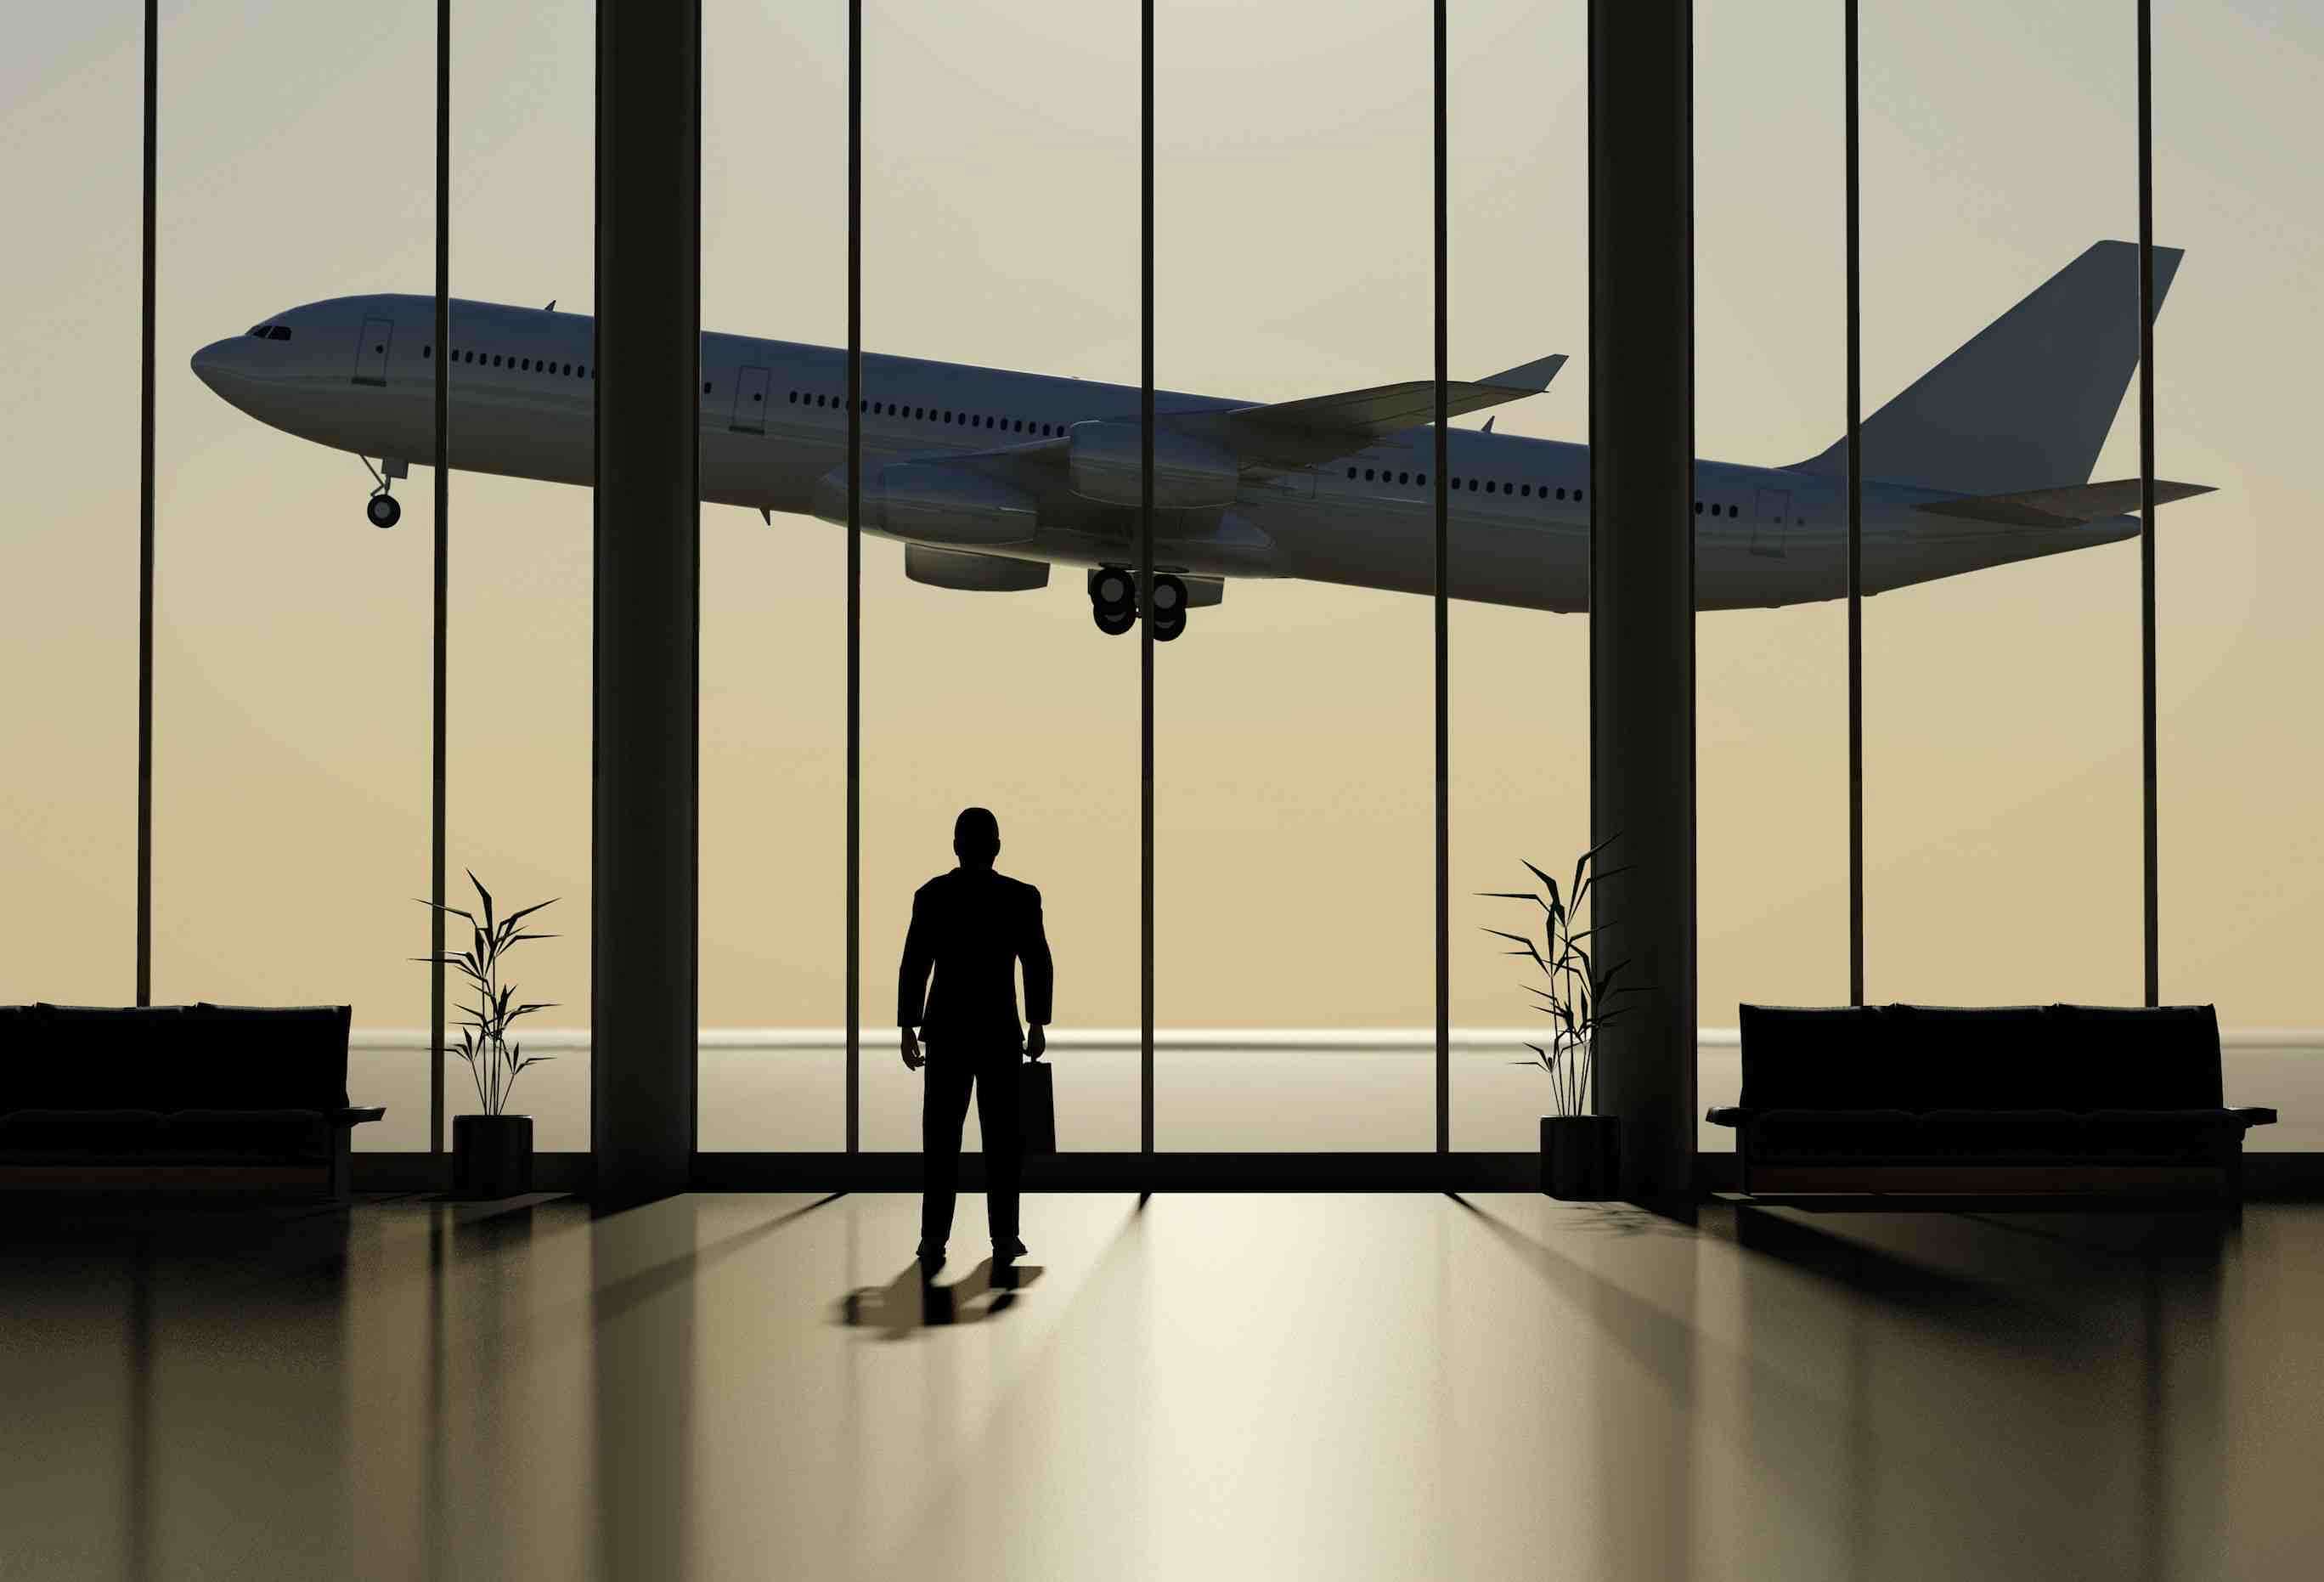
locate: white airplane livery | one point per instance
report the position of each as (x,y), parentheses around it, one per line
(990,477)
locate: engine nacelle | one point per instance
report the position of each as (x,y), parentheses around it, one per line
(934,503)
(1189,473)
(972,572)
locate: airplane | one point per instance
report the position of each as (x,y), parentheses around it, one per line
(988,478)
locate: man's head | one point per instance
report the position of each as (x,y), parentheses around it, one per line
(977,837)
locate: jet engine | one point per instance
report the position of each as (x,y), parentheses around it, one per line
(1189,474)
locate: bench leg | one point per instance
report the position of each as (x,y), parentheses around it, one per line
(342,1170)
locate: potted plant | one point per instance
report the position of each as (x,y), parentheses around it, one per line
(492,1150)
(1580,1153)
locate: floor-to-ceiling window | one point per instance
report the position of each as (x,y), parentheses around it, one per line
(1518,677)
(290,740)
(523,229)
(1769,379)
(2002,801)
(1294,849)
(2243,861)
(774,589)
(1293,855)
(68,558)
(1001,184)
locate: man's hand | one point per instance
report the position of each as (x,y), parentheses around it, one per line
(913,1059)
(1035,1041)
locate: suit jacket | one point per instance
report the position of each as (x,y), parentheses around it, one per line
(972,927)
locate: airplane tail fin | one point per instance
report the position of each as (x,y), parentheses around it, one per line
(2027,403)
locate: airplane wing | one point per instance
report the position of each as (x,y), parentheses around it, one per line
(1298,433)
(1286,434)
(2069,506)
(1005,490)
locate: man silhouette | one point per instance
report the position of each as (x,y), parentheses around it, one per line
(973,926)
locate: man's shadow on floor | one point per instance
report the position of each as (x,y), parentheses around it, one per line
(913,1301)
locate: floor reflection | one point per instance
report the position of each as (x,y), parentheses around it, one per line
(421,1388)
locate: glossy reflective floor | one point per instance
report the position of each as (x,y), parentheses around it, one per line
(1215,1387)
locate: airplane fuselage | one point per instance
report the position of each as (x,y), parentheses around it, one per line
(358,374)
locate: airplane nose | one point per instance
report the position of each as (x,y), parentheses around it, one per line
(214,362)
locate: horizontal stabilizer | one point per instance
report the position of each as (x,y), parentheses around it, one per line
(2069,506)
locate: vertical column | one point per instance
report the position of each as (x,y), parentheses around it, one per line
(854,919)
(1443,627)
(438,734)
(1146,584)
(144,972)
(2151,844)
(1642,572)
(648,598)
(1855,333)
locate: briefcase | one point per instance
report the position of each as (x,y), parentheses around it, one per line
(1037,1099)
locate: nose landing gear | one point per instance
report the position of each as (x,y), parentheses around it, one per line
(1114,603)
(384,509)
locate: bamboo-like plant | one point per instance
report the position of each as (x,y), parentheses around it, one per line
(1575,998)
(493,1061)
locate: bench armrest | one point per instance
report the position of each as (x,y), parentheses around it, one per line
(1728,1115)
(2254,1116)
(356,1115)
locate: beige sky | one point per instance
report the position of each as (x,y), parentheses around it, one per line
(1294,723)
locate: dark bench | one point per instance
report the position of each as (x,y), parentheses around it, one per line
(176,1095)
(2026,1099)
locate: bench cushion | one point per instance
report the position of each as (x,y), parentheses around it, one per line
(290,1134)
(2143,1134)
(2164,1057)
(79,1131)
(1925,1057)
(1812,1134)
(261,1057)
(101,1057)
(1812,1057)
(2030,1133)
(1948,1057)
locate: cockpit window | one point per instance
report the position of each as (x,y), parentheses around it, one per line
(270,331)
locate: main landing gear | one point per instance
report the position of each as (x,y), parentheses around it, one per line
(384,509)
(1114,603)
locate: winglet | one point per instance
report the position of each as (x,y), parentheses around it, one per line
(1531,377)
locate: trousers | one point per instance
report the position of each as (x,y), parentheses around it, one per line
(992,1069)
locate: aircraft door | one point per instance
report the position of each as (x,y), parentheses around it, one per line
(751,388)
(1770,521)
(370,351)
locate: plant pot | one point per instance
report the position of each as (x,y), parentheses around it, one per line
(1581,1157)
(492,1155)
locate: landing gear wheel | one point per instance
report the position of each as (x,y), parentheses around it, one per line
(1167,627)
(384,511)
(1168,601)
(1114,623)
(1112,589)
